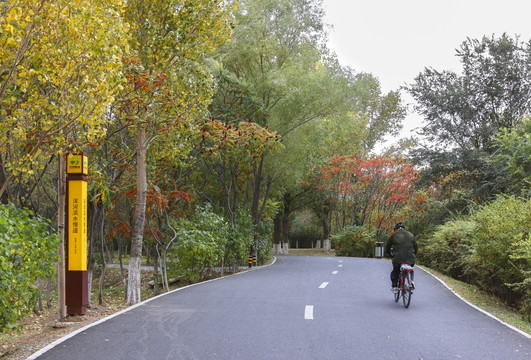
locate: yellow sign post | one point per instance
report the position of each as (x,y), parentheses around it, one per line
(76,232)
(77,225)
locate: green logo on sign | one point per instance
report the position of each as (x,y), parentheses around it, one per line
(74,161)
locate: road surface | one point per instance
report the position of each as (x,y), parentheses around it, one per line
(300,308)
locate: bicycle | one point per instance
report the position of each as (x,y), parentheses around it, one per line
(405,284)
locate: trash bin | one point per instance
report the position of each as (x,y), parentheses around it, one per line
(379,250)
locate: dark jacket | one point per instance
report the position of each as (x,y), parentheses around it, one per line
(403,246)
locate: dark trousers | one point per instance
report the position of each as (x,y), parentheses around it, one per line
(394,275)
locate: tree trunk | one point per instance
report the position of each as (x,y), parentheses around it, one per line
(327,246)
(110,252)
(254,206)
(277,234)
(120,261)
(285,223)
(49,293)
(61,271)
(90,252)
(156,289)
(133,284)
(3,198)
(285,249)
(90,275)
(148,253)
(326,228)
(37,309)
(277,249)
(102,275)
(164,268)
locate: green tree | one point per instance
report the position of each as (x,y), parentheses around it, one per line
(278,49)
(274,45)
(468,110)
(168,87)
(233,140)
(512,159)
(464,112)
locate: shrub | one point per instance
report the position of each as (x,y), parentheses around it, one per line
(240,239)
(501,243)
(450,249)
(354,241)
(491,248)
(265,234)
(522,257)
(201,244)
(27,251)
(208,241)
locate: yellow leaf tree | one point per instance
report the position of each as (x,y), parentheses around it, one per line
(60,62)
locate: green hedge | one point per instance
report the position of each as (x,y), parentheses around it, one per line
(27,251)
(355,241)
(450,250)
(490,248)
(500,243)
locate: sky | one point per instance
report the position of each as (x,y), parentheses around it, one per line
(396,39)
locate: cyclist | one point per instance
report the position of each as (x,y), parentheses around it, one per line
(402,248)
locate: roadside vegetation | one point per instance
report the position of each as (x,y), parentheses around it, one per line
(217,130)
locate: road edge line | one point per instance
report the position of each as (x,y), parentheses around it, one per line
(50,346)
(521,332)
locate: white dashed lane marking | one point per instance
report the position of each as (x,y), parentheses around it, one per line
(323,285)
(308,312)
(334,272)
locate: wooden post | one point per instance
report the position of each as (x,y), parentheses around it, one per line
(61,303)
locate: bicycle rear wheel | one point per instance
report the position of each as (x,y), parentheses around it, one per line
(400,283)
(406,292)
(406,297)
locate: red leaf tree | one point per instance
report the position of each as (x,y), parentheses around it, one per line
(366,191)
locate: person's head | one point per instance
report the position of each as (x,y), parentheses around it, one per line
(399,226)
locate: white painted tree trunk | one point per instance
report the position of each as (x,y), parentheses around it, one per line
(285,248)
(139,215)
(327,246)
(318,244)
(277,249)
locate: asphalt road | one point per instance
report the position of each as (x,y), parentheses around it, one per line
(300,308)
